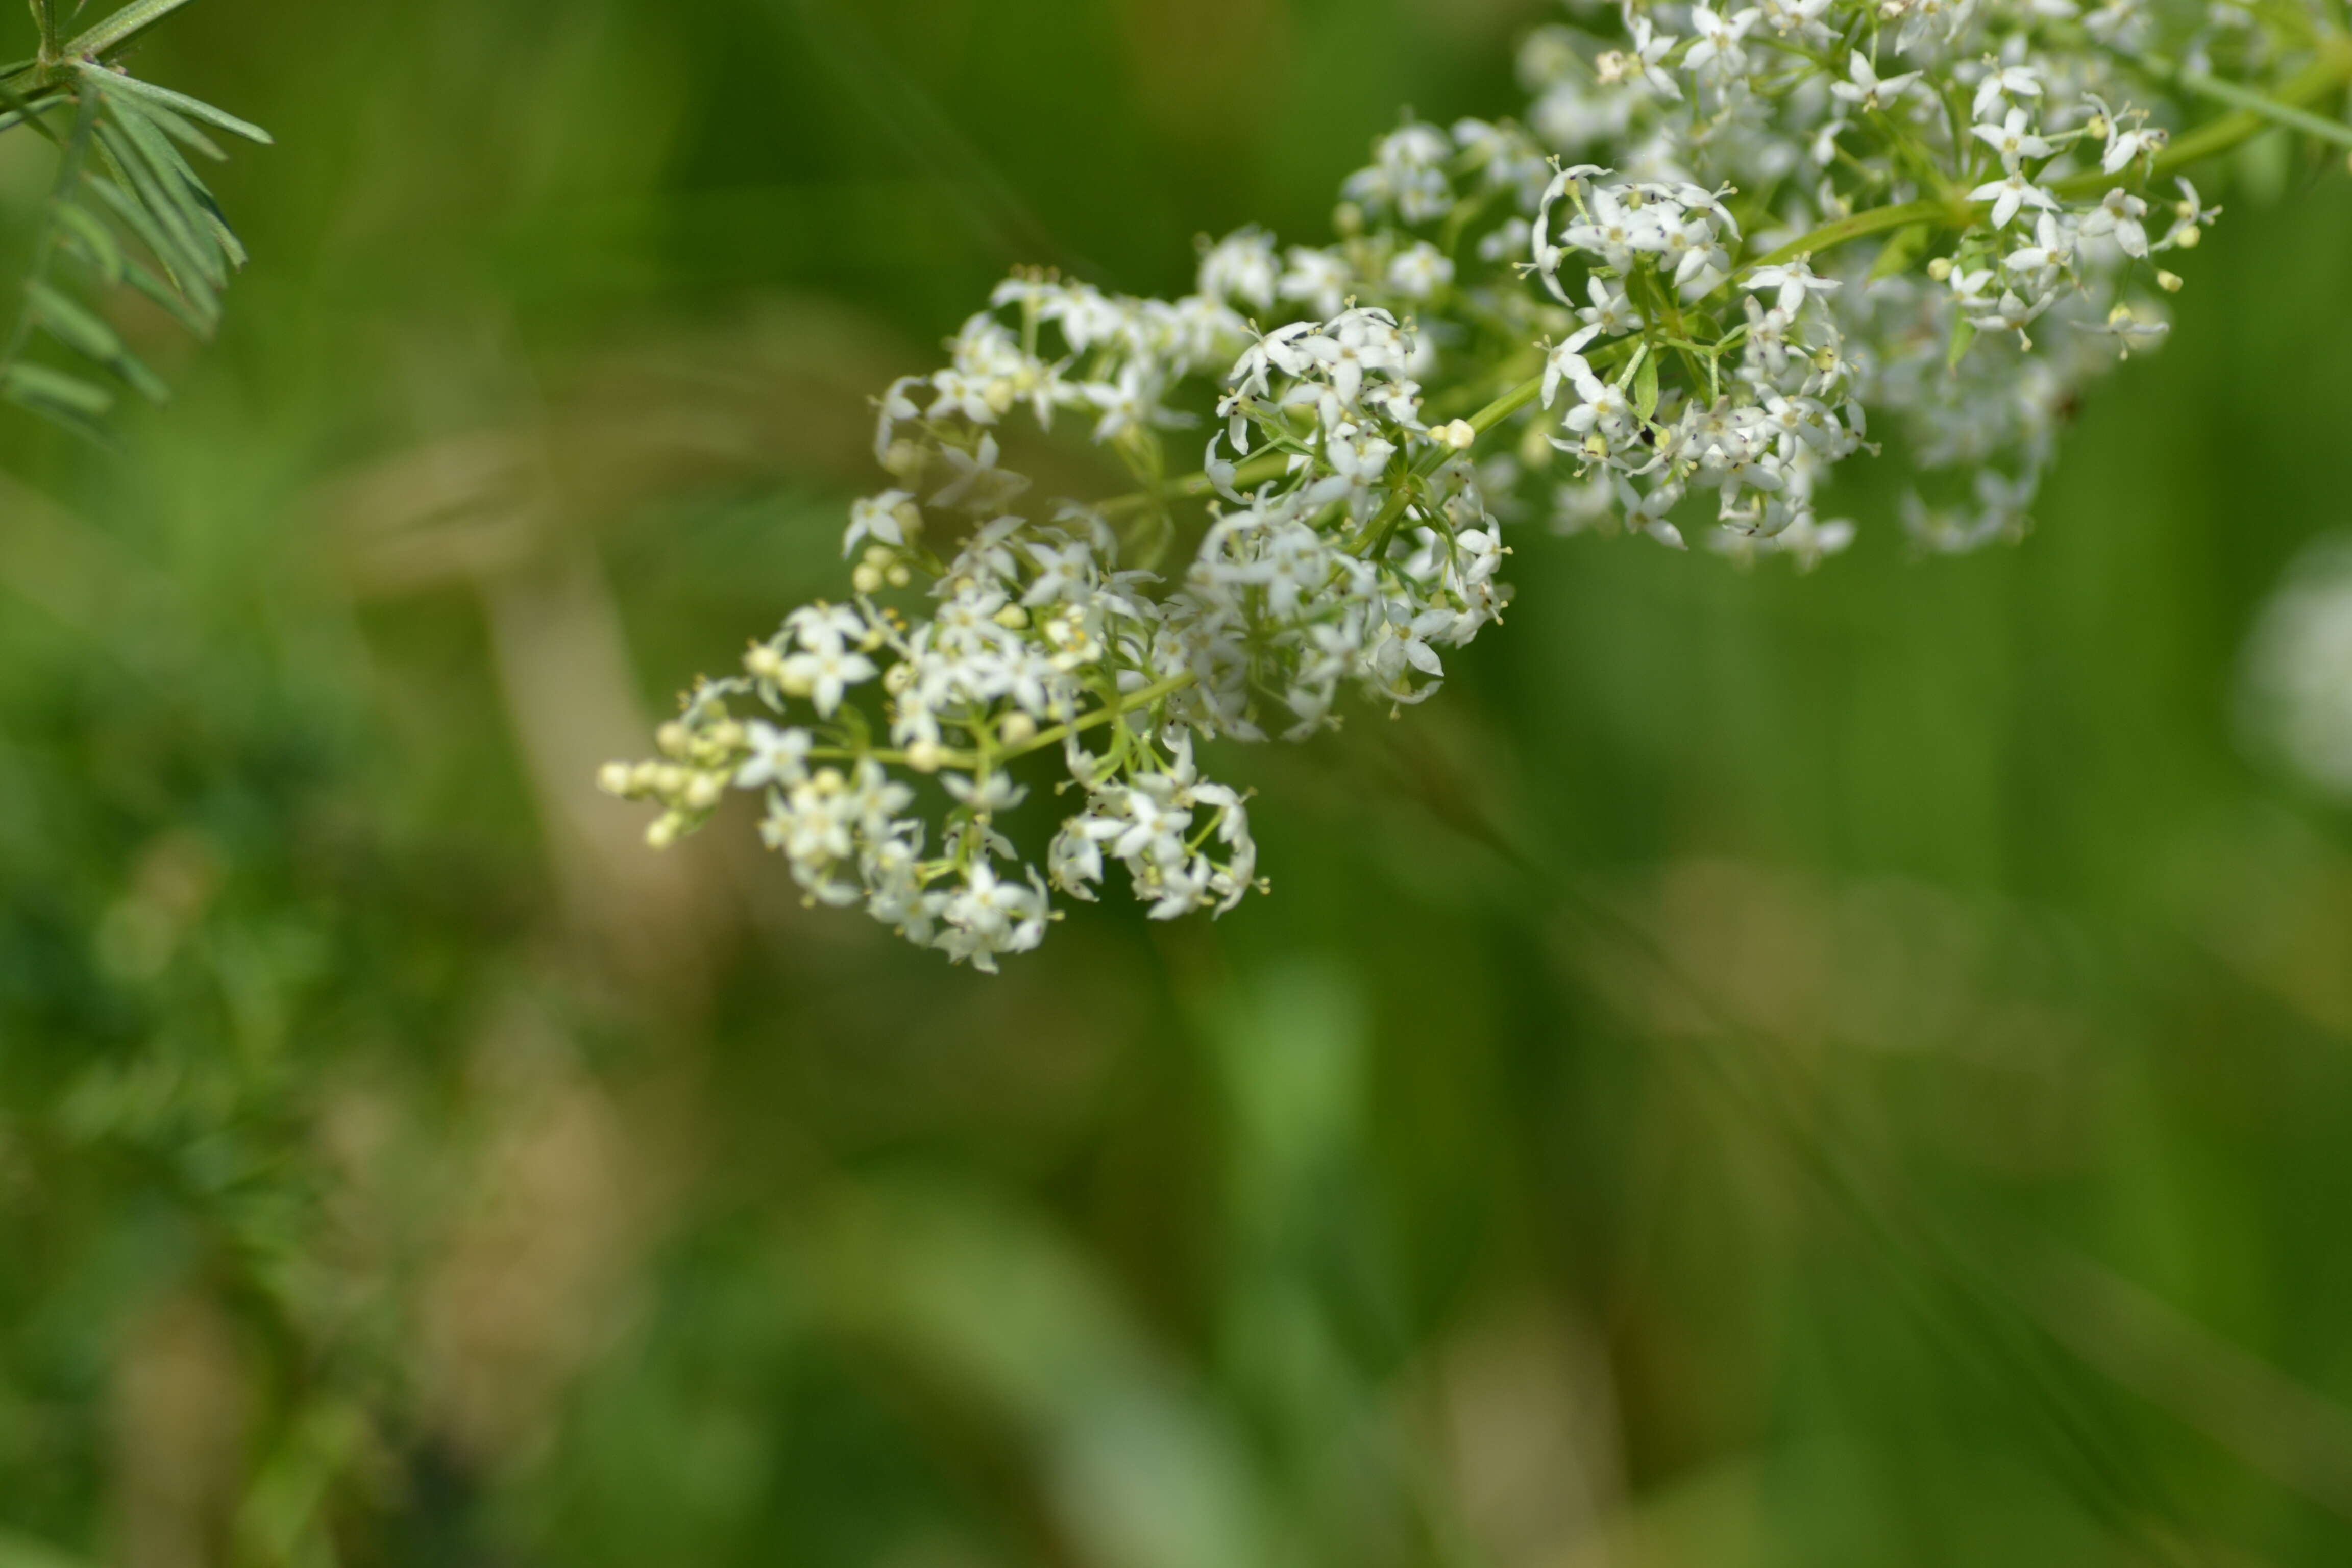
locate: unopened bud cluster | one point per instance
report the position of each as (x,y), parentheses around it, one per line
(1779,222)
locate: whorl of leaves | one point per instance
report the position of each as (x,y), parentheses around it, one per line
(126,209)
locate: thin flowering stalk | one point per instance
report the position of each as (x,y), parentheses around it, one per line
(1689,335)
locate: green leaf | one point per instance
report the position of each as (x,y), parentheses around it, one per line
(81,329)
(200,294)
(1901,251)
(1645,386)
(95,242)
(121,27)
(182,309)
(53,394)
(171,124)
(26,111)
(193,107)
(71,323)
(164,204)
(1963,336)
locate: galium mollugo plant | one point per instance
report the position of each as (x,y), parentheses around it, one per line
(1723,251)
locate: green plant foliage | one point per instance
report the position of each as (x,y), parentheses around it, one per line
(127,210)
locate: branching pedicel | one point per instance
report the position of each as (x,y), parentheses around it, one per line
(1679,321)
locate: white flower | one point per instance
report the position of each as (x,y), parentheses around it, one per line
(991,791)
(1866,89)
(827,676)
(880,518)
(778,757)
(978,485)
(2014,140)
(2007,82)
(2012,196)
(2049,251)
(1611,314)
(1420,270)
(1240,268)
(1318,279)
(2117,217)
(2189,219)
(2128,138)
(1716,50)
(895,406)
(1795,281)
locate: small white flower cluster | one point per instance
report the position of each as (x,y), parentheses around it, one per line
(1695,322)
(1361,548)
(1765,407)
(2001,153)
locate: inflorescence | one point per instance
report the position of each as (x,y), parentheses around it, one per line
(1948,213)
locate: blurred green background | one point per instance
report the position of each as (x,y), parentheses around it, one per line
(1765,1070)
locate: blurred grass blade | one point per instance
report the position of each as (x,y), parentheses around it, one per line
(24,1552)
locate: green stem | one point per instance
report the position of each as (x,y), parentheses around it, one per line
(121,28)
(1143,698)
(1877,220)
(1486,419)
(2282,111)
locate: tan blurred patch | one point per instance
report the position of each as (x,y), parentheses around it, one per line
(1527,1418)
(2274,901)
(534,1276)
(1885,967)
(511,505)
(181,1407)
(174,879)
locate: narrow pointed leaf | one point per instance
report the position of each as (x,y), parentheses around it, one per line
(193,107)
(52,391)
(23,111)
(81,329)
(1906,248)
(179,306)
(188,253)
(200,295)
(1963,336)
(177,175)
(95,241)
